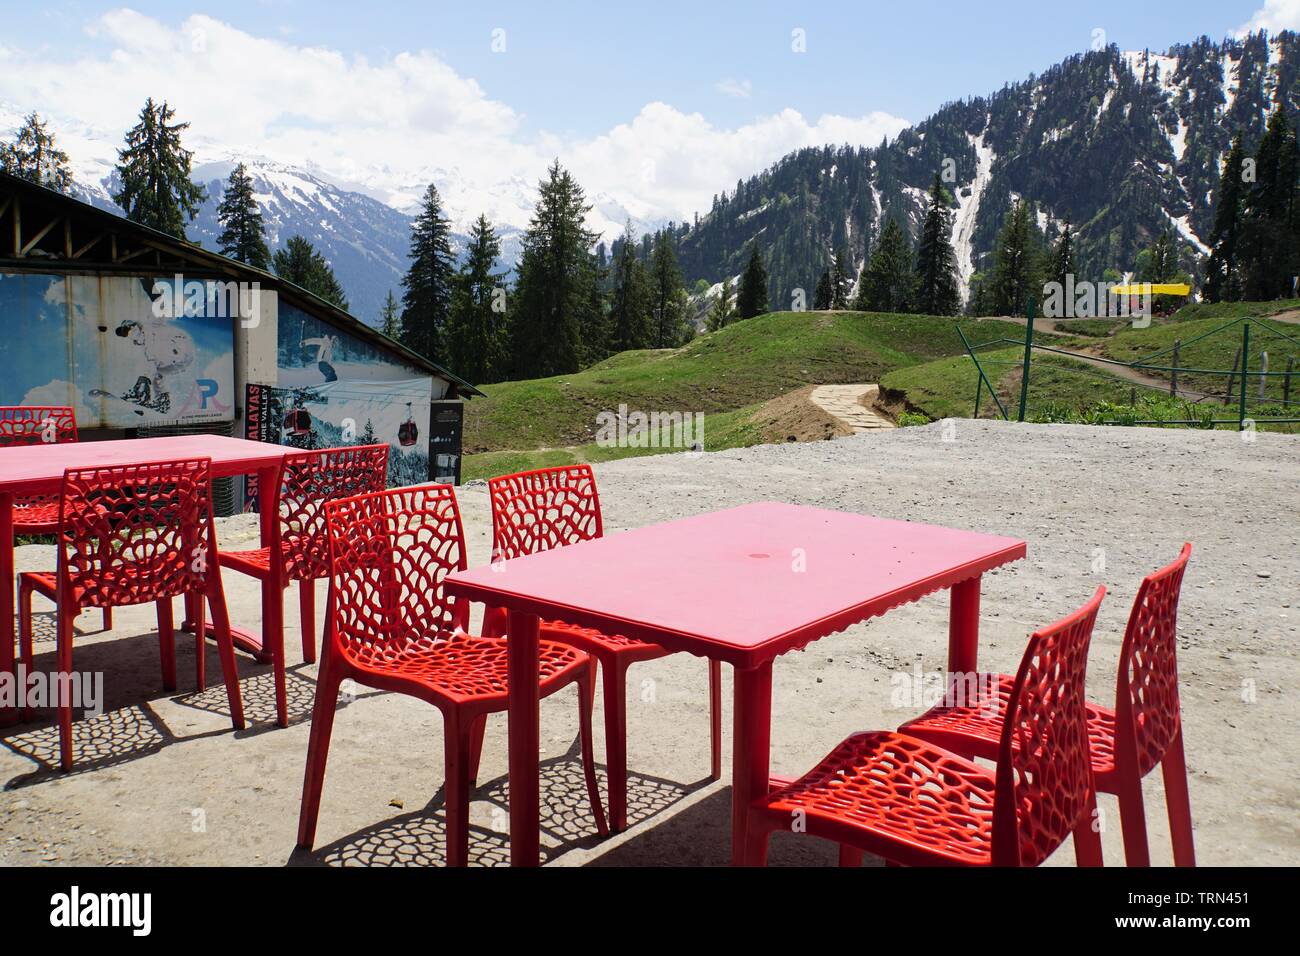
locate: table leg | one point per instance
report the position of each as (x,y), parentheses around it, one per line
(8,715)
(964,627)
(751,749)
(268,504)
(525,740)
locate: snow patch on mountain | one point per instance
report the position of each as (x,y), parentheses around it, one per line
(968,207)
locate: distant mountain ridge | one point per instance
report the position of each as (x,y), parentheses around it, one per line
(1120,144)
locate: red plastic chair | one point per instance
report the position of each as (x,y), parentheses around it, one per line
(1144,729)
(551,507)
(39,425)
(391,626)
(131,534)
(915,804)
(307,480)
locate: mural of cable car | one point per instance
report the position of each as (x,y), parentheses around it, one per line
(408,433)
(298,422)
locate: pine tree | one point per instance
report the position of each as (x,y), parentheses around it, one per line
(476,332)
(888,281)
(1270,214)
(937,288)
(1223,281)
(34,156)
(667,294)
(1016,262)
(1160,262)
(628,303)
(751,299)
(154,170)
(1063,263)
(722,311)
(299,263)
(841,282)
(241,234)
(553,295)
(824,296)
(390,317)
(426,287)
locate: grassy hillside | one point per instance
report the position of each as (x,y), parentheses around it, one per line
(744,364)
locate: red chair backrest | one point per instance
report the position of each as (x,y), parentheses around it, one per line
(36,425)
(389,553)
(1146,699)
(129,534)
(543,509)
(307,481)
(1044,774)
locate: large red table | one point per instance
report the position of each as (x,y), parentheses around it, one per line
(38,470)
(741,586)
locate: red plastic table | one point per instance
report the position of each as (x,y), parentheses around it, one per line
(38,470)
(741,586)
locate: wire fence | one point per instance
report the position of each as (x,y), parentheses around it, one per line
(1247,393)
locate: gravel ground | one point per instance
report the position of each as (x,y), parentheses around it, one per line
(162,779)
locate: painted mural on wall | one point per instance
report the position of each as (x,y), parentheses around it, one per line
(116,350)
(312,352)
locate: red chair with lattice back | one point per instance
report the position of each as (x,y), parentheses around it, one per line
(1144,730)
(39,425)
(916,804)
(134,534)
(306,480)
(391,626)
(551,507)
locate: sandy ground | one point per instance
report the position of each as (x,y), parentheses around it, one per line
(161,778)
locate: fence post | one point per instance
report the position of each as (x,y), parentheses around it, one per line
(1245,359)
(1232,376)
(1263,373)
(1029,345)
(1173,380)
(1286,382)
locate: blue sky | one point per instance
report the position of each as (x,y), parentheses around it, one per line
(654,106)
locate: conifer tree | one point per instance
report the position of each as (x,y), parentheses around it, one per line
(937,288)
(667,294)
(1016,262)
(300,263)
(154,170)
(426,287)
(751,300)
(823,297)
(888,281)
(1270,214)
(628,304)
(390,317)
(1063,263)
(722,311)
(840,282)
(553,294)
(241,221)
(476,332)
(35,156)
(1223,281)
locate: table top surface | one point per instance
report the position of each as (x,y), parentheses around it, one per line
(741,585)
(37,469)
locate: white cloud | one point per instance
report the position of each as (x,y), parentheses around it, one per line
(741,89)
(390,126)
(1273,16)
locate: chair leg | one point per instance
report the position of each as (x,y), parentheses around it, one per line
(850,855)
(1087,837)
(1174,769)
(614,676)
(200,642)
(477,729)
(66,614)
(25,624)
(456,746)
(586,703)
(1133,820)
(167,643)
(715,719)
(273,634)
(108,618)
(757,832)
(307,608)
(318,748)
(225,651)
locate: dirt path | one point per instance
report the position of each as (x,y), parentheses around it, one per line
(849,404)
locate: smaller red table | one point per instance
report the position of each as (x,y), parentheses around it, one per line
(741,586)
(38,470)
